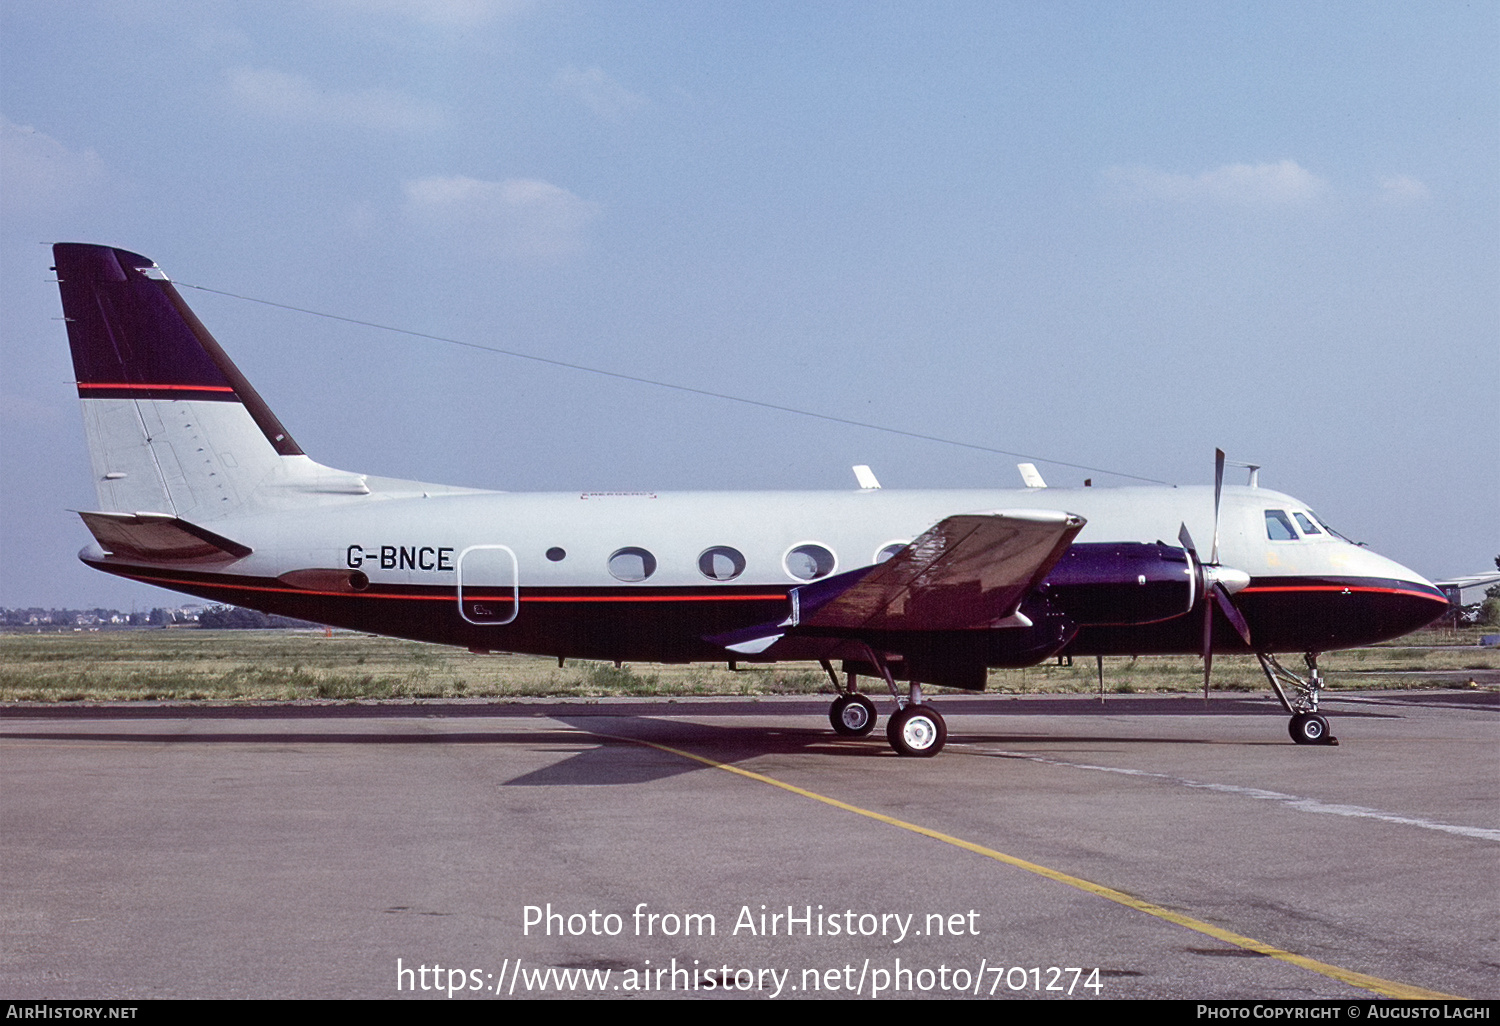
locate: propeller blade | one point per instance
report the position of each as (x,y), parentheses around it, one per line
(1195,567)
(1208,643)
(1213,554)
(1208,573)
(1231,612)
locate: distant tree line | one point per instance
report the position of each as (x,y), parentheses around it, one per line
(229,618)
(1489,609)
(36,616)
(213,618)
(1484,614)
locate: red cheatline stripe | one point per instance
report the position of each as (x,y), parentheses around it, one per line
(1343,588)
(449,597)
(648,598)
(504,597)
(173,388)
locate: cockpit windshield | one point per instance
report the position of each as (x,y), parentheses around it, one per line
(1279,526)
(1304,523)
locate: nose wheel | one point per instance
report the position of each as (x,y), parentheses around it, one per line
(1310,729)
(1307,726)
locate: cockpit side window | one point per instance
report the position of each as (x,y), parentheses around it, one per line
(1279,526)
(1306,524)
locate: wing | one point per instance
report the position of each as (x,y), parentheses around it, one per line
(967,571)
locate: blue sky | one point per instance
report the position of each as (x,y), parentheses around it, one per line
(1111,235)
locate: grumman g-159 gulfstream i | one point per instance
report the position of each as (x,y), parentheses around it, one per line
(202,490)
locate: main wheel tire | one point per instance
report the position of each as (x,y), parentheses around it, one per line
(917,730)
(852,715)
(1308,729)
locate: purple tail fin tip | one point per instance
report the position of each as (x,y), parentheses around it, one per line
(133,337)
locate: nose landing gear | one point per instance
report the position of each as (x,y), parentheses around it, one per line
(1307,726)
(1310,729)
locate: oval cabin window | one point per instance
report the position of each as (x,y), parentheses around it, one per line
(721,563)
(809,562)
(632,564)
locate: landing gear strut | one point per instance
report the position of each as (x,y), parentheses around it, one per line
(915,728)
(852,714)
(1307,726)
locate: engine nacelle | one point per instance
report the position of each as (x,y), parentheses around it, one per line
(1110,583)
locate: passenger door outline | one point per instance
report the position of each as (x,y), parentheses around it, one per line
(489,592)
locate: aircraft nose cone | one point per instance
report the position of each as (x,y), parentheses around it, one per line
(1362,599)
(1421,601)
(1395,600)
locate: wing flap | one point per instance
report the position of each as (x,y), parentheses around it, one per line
(160,538)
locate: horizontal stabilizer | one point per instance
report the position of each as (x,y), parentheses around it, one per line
(160,538)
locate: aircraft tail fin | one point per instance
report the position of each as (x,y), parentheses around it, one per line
(173,426)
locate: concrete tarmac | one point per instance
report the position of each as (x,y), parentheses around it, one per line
(387,850)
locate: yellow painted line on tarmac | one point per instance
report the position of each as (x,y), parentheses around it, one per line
(1385,988)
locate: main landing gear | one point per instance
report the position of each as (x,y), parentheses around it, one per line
(915,728)
(1307,726)
(852,715)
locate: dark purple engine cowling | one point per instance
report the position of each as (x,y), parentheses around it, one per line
(1099,583)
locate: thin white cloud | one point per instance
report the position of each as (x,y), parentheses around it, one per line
(598,92)
(39,175)
(1284,184)
(521,217)
(1402,189)
(294,97)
